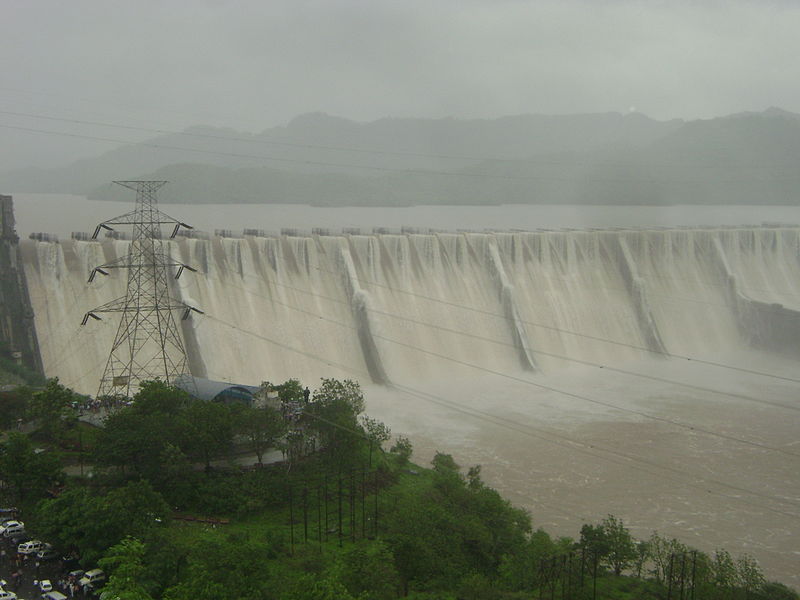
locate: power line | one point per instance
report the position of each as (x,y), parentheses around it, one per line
(678,300)
(591,400)
(526,430)
(584,398)
(482,338)
(563,357)
(556,329)
(574,333)
(532,432)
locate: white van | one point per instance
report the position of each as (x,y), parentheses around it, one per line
(54,595)
(93,578)
(30,547)
(9,528)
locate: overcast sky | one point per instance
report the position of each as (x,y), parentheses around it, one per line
(255,64)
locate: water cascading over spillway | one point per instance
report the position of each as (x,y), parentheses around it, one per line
(397,308)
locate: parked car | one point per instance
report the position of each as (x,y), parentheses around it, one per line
(47,554)
(12,526)
(4,595)
(45,586)
(54,595)
(30,547)
(93,578)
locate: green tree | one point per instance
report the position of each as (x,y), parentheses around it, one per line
(92,524)
(210,430)
(52,408)
(749,574)
(263,426)
(724,570)
(124,564)
(377,432)
(774,590)
(176,475)
(333,414)
(26,472)
(347,392)
(403,449)
(289,391)
(642,556)
(593,541)
(622,549)
(310,587)
(515,572)
(476,587)
(62,520)
(661,552)
(474,481)
(367,570)
(14,406)
(443,528)
(444,463)
(134,438)
(611,543)
(232,567)
(159,398)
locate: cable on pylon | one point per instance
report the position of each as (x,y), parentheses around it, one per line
(148,344)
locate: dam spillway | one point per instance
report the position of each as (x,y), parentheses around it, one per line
(556,359)
(398,308)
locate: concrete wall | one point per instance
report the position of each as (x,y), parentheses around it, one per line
(17,331)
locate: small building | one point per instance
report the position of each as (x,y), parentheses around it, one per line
(220,391)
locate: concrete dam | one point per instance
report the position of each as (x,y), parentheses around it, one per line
(404,307)
(645,373)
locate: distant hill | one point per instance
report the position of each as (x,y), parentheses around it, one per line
(747,158)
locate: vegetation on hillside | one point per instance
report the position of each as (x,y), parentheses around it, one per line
(169,514)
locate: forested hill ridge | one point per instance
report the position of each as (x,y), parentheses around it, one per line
(603,158)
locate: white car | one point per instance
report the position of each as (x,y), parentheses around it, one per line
(93,578)
(30,547)
(10,527)
(4,595)
(45,586)
(46,553)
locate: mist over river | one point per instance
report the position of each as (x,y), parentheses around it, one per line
(649,373)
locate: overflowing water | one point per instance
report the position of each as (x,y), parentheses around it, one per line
(576,366)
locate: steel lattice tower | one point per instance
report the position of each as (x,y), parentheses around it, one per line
(148,344)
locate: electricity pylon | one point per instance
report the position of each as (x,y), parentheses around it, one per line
(148,344)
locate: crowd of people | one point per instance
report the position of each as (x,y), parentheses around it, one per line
(22,573)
